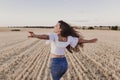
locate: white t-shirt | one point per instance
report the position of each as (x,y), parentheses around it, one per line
(58,47)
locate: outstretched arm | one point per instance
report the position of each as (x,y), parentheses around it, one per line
(43,36)
(88,41)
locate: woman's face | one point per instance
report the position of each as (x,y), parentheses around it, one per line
(57,28)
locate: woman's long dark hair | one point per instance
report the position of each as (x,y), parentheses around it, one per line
(67,30)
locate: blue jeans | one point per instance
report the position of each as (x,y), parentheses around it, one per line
(58,67)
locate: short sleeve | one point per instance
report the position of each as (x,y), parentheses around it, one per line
(74,42)
(51,37)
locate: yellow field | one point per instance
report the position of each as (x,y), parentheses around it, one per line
(23,58)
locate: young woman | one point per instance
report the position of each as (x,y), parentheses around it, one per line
(64,37)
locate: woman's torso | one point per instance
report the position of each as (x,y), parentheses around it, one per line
(59,44)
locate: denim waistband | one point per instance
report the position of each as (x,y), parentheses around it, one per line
(63,58)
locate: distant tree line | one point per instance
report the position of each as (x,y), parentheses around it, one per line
(38,26)
(77,27)
(101,27)
(30,27)
(114,28)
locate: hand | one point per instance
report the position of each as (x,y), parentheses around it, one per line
(93,40)
(31,34)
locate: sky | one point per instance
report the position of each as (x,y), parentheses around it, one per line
(48,12)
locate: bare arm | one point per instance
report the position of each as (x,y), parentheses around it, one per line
(43,36)
(88,41)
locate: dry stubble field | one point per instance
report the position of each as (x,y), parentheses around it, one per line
(23,58)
